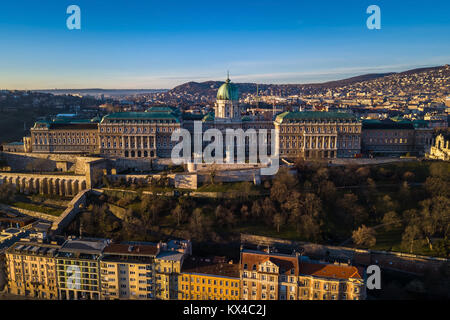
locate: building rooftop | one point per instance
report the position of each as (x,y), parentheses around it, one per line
(11,231)
(314,116)
(15,144)
(192,116)
(33,248)
(142,116)
(167,109)
(196,265)
(132,249)
(85,245)
(387,125)
(331,271)
(170,256)
(63,123)
(287,264)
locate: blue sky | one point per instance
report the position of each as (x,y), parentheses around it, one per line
(160,44)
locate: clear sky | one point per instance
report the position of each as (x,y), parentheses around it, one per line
(160,44)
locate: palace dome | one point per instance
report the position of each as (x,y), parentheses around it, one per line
(228,91)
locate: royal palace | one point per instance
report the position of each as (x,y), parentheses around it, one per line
(304,134)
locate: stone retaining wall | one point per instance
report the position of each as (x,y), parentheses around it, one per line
(35,214)
(29,183)
(70,213)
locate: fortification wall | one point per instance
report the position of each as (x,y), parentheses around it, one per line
(29,183)
(26,212)
(70,213)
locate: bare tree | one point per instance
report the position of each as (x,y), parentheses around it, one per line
(364,236)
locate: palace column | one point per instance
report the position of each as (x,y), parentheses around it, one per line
(23,185)
(68,187)
(37,185)
(75,187)
(62,187)
(43,186)
(56,186)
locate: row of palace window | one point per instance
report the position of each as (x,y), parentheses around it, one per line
(138,130)
(114,145)
(313,145)
(319,129)
(390,141)
(300,138)
(69,141)
(66,134)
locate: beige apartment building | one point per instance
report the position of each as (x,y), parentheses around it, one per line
(31,270)
(94,269)
(127,271)
(331,282)
(203,279)
(78,267)
(168,264)
(274,276)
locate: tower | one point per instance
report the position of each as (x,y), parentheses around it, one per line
(227,103)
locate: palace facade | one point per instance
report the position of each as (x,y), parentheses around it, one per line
(389,137)
(318,135)
(65,136)
(308,134)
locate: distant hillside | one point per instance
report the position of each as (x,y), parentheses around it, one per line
(348,81)
(209,88)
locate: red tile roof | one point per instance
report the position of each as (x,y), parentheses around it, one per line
(285,263)
(331,271)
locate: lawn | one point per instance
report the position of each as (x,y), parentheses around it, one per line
(388,240)
(287,232)
(229,187)
(38,208)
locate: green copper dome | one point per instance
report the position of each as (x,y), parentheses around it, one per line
(228,91)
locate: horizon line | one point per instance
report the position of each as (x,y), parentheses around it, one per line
(259,83)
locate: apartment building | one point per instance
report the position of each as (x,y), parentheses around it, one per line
(268,276)
(31,270)
(78,267)
(167,268)
(94,269)
(275,276)
(127,271)
(320,281)
(204,279)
